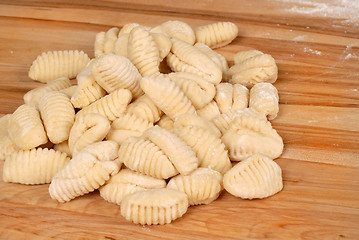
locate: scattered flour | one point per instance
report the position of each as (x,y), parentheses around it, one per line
(345,10)
(299,38)
(309,50)
(351,55)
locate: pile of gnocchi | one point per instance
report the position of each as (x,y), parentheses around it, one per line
(150,140)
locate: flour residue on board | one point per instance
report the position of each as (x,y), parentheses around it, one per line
(312,51)
(340,9)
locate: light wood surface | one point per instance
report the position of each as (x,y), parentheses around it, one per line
(316,46)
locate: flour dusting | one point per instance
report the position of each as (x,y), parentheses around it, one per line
(312,51)
(346,10)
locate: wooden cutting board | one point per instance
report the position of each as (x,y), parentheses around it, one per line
(316,46)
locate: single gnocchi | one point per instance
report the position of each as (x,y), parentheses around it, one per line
(26,129)
(154,206)
(54,64)
(255,177)
(113,72)
(35,166)
(167,95)
(144,156)
(143,107)
(126,182)
(264,98)
(247,136)
(216,35)
(202,186)
(7,146)
(111,106)
(87,171)
(231,97)
(58,116)
(87,129)
(33,96)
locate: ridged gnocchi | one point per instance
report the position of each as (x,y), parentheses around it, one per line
(187,58)
(154,206)
(231,97)
(209,111)
(145,108)
(87,171)
(26,129)
(202,186)
(35,166)
(180,30)
(88,90)
(209,149)
(264,98)
(7,146)
(110,106)
(255,177)
(113,72)
(144,156)
(126,126)
(87,129)
(247,136)
(143,52)
(216,35)
(167,95)
(195,120)
(179,153)
(196,89)
(54,64)
(126,182)
(33,96)
(253,70)
(58,116)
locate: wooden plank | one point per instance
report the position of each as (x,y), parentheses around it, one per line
(316,47)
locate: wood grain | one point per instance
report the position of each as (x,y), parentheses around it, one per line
(316,46)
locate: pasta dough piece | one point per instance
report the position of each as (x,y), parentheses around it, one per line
(121,44)
(7,146)
(58,116)
(154,206)
(166,122)
(35,166)
(223,120)
(87,171)
(215,57)
(180,30)
(202,186)
(247,136)
(197,89)
(33,96)
(110,106)
(143,156)
(216,35)
(209,111)
(69,91)
(244,55)
(51,65)
(145,108)
(99,44)
(88,90)
(26,129)
(264,98)
(143,52)
(127,28)
(259,68)
(163,43)
(126,182)
(179,153)
(63,147)
(255,177)
(110,39)
(126,126)
(113,72)
(167,95)
(87,129)
(231,97)
(187,58)
(209,149)
(195,120)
